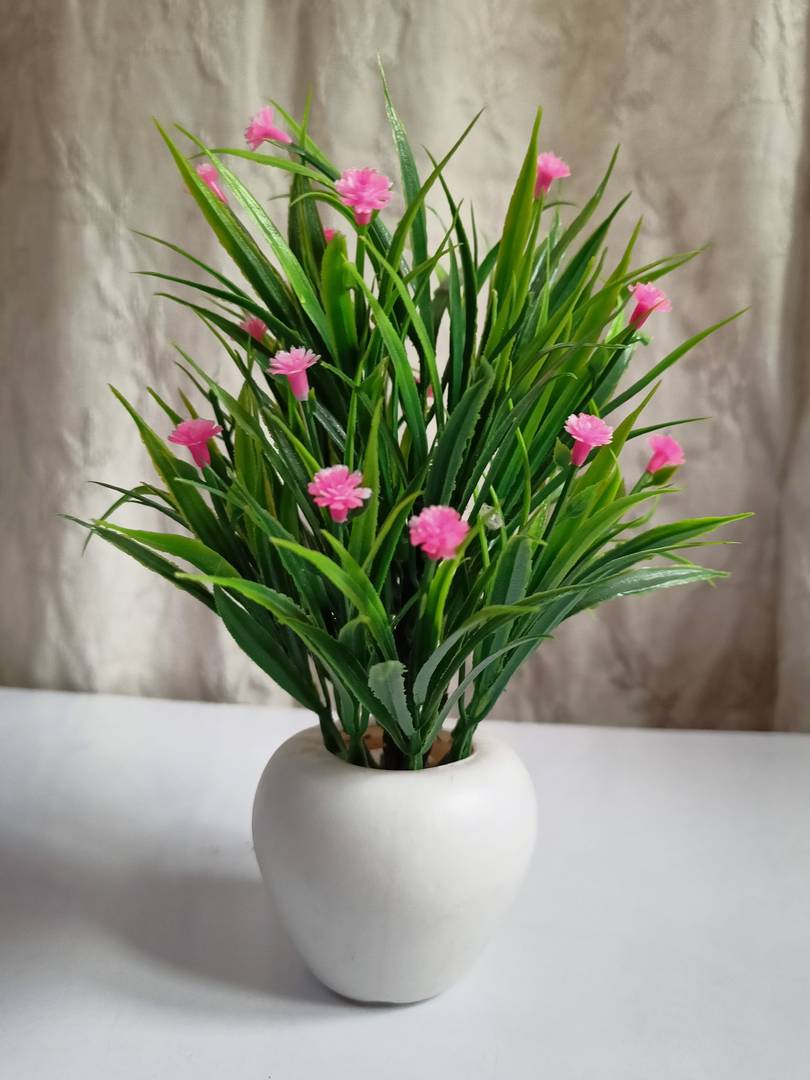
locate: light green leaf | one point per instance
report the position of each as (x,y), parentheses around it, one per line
(411,187)
(387,684)
(182,547)
(645,579)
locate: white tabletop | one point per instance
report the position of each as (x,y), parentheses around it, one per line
(664,931)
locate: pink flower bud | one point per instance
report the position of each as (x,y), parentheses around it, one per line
(254,326)
(587,432)
(262,128)
(648,299)
(667,453)
(210,177)
(549,169)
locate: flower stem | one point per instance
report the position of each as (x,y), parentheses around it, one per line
(392,757)
(331,736)
(461,742)
(560,500)
(359,262)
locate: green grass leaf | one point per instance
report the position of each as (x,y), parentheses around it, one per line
(414,206)
(406,384)
(667,362)
(351,580)
(643,580)
(140,553)
(518,217)
(411,187)
(196,514)
(331,652)
(297,278)
(364,526)
(266,651)
(182,547)
(451,446)
(234,238)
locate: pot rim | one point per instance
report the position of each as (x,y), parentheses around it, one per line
(309,742)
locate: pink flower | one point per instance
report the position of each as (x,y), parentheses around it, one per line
(262,128)
(587,432)
(365,190)
(254,326)
(329,234)
(195,434)
(210,177)
(339,490)
(549,169)
(667,453)
(648,299)
(438,531)
(294,365)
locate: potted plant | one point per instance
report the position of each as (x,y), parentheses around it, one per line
(388,527)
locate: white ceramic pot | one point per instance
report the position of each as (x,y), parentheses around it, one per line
(390,883)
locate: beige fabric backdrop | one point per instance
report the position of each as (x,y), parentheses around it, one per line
(709,100)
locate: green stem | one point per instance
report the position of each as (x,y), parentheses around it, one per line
(357,753)
(311,431)
(392,757)
(359,262)
(560,500)
(461,742)
(641,483)
(331,736)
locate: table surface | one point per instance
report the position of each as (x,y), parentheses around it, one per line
(664,931)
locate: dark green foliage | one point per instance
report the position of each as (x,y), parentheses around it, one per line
(351,619)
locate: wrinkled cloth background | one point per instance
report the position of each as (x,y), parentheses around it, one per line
(710,103)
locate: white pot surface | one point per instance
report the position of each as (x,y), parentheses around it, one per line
(391,883)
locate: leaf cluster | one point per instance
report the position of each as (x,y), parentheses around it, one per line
(351,620)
